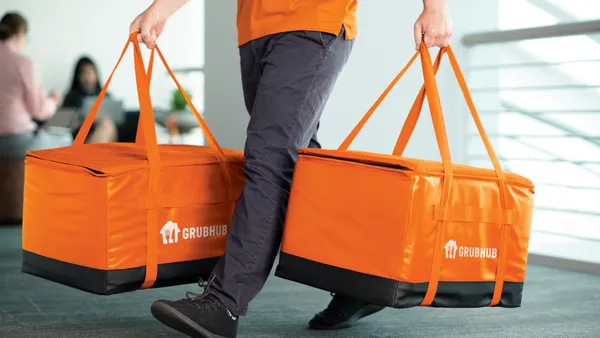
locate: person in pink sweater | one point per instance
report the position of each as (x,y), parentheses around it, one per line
(23,101)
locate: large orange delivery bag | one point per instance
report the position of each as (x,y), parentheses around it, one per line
(116,217)
(404,232)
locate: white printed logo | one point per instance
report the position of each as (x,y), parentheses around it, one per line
(170,232)
(453,250)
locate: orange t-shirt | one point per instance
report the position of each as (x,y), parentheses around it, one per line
(258,18)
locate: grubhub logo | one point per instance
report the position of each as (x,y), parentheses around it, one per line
(453,250)
(170,232)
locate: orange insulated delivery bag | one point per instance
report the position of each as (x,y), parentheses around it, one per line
(404,232)
(116,217)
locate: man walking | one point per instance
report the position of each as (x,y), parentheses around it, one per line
(291,54)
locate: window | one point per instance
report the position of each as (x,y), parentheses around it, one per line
(540,103)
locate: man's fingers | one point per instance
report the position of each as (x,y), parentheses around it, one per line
(442,40)
(429,39)
(147,34)
(135,25)
(418,35)
(447,39)
(145,30)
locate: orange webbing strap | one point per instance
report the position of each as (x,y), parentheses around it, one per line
(475,215)
(350,138)
(147,122)
(212,142)
(433,99)
(435,108)
(504,200)
(146,119)
(413,116)
(91,116)
(139,135)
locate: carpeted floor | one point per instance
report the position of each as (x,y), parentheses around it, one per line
(556,304)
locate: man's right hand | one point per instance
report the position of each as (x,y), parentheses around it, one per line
(151,22)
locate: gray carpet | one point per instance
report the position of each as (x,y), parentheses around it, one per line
(556,304)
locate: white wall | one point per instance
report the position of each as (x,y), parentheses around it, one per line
(63,30)
(225,112)
(384,45)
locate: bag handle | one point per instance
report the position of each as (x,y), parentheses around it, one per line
(139,135)
(147,135)
(144,81)
(433,100)
(415,111)
(411,119)
(86,126)
(505,202)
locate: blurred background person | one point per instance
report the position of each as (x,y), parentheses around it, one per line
(24,106)
(22,99)
(86,83)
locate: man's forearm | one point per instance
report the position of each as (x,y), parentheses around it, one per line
(168,7)
(434,4)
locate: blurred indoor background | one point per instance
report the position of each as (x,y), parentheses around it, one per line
(532,66)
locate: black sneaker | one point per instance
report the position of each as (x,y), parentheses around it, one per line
(197,315)
(342,312)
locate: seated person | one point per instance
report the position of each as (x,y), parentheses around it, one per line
(86,83)
(22,100)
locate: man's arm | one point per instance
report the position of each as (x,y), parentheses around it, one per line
(39,106)
(151,22)
(433,27)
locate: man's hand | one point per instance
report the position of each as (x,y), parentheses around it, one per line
(433,27)
(151,22)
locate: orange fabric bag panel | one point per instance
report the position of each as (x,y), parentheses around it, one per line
(405,232)
(117,217)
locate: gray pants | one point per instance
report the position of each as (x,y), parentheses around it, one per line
(16,145)
(287,79)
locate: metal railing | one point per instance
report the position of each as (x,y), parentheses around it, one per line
(554,191)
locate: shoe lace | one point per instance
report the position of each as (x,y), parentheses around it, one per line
(201,300)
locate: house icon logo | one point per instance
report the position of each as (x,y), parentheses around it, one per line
(170,233)
(451,248)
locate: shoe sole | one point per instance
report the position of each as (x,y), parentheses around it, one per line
(176,320)
(364,312)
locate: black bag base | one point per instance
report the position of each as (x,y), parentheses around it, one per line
(109,282)
(392,293)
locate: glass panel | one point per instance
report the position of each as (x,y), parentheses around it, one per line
(487,164)
(505,147)
(580,9)
(582,71)
(587,124)
(515,14)
(509,123)
(593,168)
(572,149)
(534,77)
(568,63)
(568,198)
(562,49)
(555,173)
(534,101)
(566,223)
